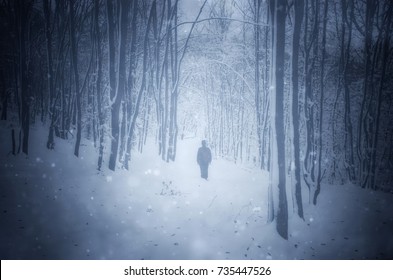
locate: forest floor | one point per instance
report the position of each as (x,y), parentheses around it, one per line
(57,206)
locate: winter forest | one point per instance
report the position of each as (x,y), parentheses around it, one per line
(104,104)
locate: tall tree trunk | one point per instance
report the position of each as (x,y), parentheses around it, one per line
(257,54)
(121,70)
(172,132)
(311,54)
(363,141)
(116,85)
(131,129)
(100,113)
(131,82)
(299,12)
(48,35)
(321,103)
(379,99)
(345,61)
(112,86)
(74,54)
(279,59)
(22,8)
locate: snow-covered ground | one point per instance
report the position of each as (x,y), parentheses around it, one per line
(57,206)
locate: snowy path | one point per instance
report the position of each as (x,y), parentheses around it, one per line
(60,208)
(55,206)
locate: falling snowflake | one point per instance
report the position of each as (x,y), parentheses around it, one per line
(156,172)
(147,172)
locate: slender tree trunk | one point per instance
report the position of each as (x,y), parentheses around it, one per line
(363,149)
(299,11)
(112,86)
(307,101)
(114,98)
(131,82)
(100,113)
(379,99)
(22,8)
(172,133)
(321,104)
(142,88)
(48,35)
(279,56)
(257,52)
(121,71)
(74,51)
(345,61)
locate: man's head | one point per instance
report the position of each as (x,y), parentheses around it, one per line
(203,143)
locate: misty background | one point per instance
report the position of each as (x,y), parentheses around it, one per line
(294,95)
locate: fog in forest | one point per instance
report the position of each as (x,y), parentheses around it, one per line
(181,129)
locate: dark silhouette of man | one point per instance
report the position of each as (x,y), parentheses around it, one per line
(204,158)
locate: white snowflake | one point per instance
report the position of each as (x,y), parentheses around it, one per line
(147,172)
(156,172)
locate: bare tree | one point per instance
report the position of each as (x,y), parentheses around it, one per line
(298,19)
(278,113)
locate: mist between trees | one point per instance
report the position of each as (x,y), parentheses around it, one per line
(299,88)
